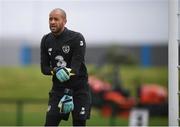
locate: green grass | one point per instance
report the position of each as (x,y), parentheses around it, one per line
(23,82)
(34,115)
(28,83)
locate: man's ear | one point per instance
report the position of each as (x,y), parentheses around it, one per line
(65,21)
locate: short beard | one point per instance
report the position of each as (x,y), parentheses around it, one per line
(58,32)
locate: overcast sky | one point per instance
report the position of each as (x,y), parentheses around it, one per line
(100,21)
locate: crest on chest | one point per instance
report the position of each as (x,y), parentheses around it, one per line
(66,48)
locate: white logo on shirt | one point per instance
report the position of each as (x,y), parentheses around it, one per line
(66,48)
(81,43)
(49,51)
(82,112)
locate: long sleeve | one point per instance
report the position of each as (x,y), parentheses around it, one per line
(45,60)
(78,54)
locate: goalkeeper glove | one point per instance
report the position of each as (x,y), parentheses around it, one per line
(66,104)
(63,74)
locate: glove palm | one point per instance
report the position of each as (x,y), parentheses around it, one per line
(63,74)
(66,104)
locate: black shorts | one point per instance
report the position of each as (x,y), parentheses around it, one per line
(81,99)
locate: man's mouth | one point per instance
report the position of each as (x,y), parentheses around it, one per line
(53,27)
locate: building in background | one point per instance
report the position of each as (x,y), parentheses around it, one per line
(138,26)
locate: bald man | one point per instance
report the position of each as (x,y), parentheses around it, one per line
(62,57)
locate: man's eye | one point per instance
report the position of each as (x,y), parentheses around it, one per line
(56,19)
(53,18)
(50,19)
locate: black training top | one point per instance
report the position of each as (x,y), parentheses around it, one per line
(64,50)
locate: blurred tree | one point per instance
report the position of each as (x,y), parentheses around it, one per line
(116,58)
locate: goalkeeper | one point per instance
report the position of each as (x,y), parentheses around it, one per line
(62,56)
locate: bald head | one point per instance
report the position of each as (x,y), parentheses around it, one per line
(57,20)
(59,11)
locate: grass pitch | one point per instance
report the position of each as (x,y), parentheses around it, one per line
(28,83)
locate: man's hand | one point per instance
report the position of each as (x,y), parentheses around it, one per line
(66,104)
(63,74)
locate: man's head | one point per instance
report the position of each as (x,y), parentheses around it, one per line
(57,21)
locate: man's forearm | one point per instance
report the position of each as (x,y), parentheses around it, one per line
(46,70)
